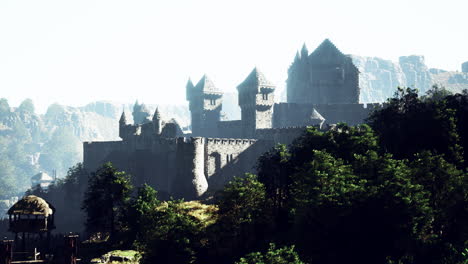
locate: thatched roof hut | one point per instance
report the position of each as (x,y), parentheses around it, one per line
(32,205)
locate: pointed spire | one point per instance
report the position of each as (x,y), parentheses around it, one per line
(206,85)
(189,88)
(298,56)
(304,51)
(189,84)
(136,105)
(255,79)
(123,118)
(156,115)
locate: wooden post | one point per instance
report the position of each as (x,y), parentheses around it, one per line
(6,251)
(24,242)
(71,249)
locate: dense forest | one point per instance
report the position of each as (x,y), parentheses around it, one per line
(394,190)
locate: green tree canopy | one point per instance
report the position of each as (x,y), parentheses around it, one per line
(284,255)
(105,199)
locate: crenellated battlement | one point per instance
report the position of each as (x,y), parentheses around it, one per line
(231,141)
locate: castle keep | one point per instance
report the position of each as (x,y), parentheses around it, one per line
(322,87)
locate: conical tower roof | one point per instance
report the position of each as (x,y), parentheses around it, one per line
(297,57)
(123,118)
(316,115)
(189,84)
(304,51)
(189,88)
(206,85)
(256,79)
(327,49)
(156,115)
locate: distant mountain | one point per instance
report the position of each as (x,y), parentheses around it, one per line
(30,143)
(379,78)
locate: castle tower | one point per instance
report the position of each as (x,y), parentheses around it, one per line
(123,125)
(326,76)
(205,103)
(157,122)
(256,99)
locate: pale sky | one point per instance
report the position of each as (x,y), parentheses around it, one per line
(76,52)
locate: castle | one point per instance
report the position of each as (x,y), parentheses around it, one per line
(322,87)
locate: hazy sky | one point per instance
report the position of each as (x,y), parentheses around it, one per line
(75,52)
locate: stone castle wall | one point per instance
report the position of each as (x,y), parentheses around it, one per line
(178,167)
(227,158)
(284,135)
(352,114)
(152,162)
(230,129)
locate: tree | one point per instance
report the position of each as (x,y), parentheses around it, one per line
(409,124)
(343,216)
(105,200)
(349,201)
(243,219)
(284,255)
(170,234)
(142,206)
(448,189)
(273,168)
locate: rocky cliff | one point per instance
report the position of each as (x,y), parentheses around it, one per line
(30,143)
(379,78)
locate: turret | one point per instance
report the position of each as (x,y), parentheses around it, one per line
(189,90)
(304,51)
(205,103)
(256,99)
(157,122)
(297,57)
(123,125)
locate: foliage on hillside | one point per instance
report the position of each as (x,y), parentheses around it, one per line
(27,147)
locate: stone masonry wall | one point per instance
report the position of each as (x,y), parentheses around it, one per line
(352,114)
(227,158)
